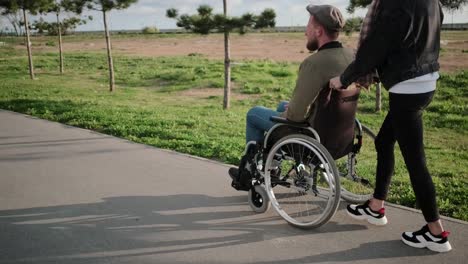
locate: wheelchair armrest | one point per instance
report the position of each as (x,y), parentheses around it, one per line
(283,120)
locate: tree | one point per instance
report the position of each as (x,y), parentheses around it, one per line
(57,8)
(2,27)
(56,28)
(31,6)
(227,64)
(15,20)
(103,6)
(352,25)
(205,22)
(150,30)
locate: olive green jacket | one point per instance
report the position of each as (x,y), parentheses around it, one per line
(315,73)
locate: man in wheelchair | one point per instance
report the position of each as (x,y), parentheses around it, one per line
(330,112)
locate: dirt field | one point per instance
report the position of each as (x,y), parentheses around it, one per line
(275,46)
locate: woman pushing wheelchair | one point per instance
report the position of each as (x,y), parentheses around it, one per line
(401,39)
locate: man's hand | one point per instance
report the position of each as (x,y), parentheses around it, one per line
(335,83)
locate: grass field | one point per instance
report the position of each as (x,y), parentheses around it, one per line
(175,103)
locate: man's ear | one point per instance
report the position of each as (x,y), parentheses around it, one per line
(319,31)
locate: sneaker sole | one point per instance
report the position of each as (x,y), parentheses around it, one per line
(441,248)
(374,221)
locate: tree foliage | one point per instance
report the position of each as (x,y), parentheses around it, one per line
(453,4)
(67,25)
(353,25)
(14,18)
(33,6)
(150,30)
(78,6)
(266,19)
(205,21)
(353,4)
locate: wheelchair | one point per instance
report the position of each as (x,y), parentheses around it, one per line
(299,177)
(293,172)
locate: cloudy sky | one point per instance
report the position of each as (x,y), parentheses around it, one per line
(152,12)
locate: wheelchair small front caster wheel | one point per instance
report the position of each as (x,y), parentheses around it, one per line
(258,199)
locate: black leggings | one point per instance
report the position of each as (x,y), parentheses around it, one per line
(403,124)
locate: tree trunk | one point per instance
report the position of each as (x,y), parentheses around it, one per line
(227,66)
(378,97)
(28,45)
(14,20)
(16,31)
(60,43)
(109,55)
(15,28)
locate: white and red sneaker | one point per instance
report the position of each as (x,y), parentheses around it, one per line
(364,212)
(424,238)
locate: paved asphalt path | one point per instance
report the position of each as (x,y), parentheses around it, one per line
(69,195)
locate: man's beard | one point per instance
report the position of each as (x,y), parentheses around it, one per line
(313,45)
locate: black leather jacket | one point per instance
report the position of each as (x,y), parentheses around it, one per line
(404,43)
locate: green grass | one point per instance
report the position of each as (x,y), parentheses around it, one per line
(149,107)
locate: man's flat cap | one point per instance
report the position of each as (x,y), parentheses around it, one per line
(328,16)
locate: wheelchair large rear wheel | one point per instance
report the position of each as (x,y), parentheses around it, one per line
(302,181)
(358,170)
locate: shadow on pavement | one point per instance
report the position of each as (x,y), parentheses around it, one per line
(368,251)
(144,225)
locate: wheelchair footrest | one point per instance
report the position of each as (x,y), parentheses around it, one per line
(240,187)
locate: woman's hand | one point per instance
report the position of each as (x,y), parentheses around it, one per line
(335,83)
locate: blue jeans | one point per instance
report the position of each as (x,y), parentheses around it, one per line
(258,121)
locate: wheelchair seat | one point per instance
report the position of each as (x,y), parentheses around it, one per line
(282,120)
